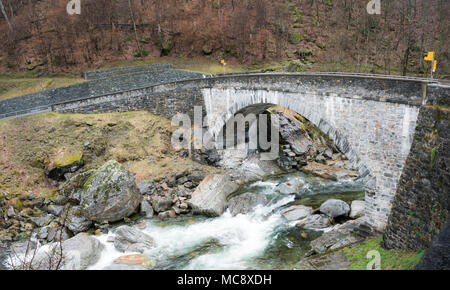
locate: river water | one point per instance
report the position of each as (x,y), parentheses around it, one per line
(262,239)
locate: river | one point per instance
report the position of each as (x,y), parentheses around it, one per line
(262,239)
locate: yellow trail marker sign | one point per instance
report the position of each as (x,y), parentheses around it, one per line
(430,56)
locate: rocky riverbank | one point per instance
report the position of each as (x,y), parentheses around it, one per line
(92,202)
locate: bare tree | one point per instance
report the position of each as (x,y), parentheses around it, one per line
(2,7)
(134,26)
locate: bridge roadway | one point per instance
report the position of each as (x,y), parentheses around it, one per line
(49,107)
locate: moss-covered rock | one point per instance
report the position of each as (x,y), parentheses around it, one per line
(107,194)
(65,163)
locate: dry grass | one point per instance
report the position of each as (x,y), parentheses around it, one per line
(206,65)
(13,87)
(32,144)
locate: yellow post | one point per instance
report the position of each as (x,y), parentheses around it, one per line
(430,57)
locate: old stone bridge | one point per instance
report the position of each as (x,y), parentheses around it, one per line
(372,119)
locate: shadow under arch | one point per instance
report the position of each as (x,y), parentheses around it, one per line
(339,138)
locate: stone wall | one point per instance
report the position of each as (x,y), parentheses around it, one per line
(100,74)
(42,101)
(438,95)
(422,202)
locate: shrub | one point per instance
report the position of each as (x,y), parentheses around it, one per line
(295,37)
(141,53)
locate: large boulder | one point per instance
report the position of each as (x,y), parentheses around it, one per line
(296,212)
(357,209)
(246,202)
(335,208)
(81,251)
(77,253)
(254,169)
(107,194)
(128,239)
(210,197)
(292,132)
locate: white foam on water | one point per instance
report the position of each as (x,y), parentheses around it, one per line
(241,238)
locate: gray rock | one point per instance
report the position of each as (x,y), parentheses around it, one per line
(146,188)
(319,158)
(161,204)
(254,169)
(357,209)
(337,156)
(246,202)
(328,153)
(335,208)
(331,261)
(107,194)
(56,210)
(196,176)
(76,222)
(296,212)
(182,180)
(167,214)
(290,187)
(42,233)
(60,200)
(210,197)
(340,236)
(38,202)
(56,233)
(41,221)
(11,212)
(315,221)
(130,239)
(77,253)
(81,251)
(292,132)
(147,209)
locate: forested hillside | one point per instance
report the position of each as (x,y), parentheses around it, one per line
(321,34)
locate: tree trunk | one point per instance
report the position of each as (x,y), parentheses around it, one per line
(134,26)
(2,8)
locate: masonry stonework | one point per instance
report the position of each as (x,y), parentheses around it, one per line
(422,201)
